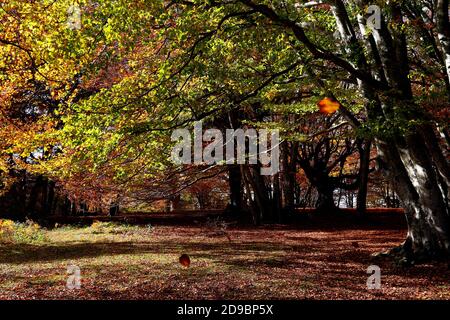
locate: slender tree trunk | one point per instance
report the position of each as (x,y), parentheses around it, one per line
(73,208)
(235,183)
(175,202)
(287,176)
(276,197)
(361,202)
(50,199)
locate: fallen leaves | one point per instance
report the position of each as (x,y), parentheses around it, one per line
(317,261)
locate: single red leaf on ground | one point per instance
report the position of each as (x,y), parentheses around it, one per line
(185,260)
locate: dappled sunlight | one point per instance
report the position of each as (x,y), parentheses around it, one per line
(263,263)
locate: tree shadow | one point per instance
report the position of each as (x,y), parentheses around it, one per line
(26,253)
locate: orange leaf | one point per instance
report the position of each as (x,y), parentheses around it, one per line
(185,260)
(328,106)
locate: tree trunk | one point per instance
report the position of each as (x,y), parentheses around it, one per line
(325,202)
(113,209)
(50,199)
(276,197)
(235,183)
(427,216)
(175,202)
(254,210)
(261,194)
(361,202)
(287,176)
(443,28)
(37,198)
(407,160)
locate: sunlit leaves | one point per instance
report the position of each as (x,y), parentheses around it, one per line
(328,106)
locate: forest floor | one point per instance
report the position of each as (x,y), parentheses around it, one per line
(277,262)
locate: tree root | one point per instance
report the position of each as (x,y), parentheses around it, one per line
(404,256)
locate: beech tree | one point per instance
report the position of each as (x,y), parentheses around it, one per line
(377,62)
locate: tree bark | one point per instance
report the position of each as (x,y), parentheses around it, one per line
(287,175)
(175,202)
(426,215)
(406,160)
(325,202)
(443,28)
(276,197)
(254,210)
(50,199)
(235,184)
(361,202)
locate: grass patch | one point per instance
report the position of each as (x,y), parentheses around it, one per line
(99,227)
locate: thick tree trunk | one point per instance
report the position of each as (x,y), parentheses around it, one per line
(325,202)
(254,208)
(426,213)
(443,28)
(261,195)
(37,197)
(439,160)
(408,164)
(418,168)
(113,209)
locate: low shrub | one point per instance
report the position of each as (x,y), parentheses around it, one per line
(15,232)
